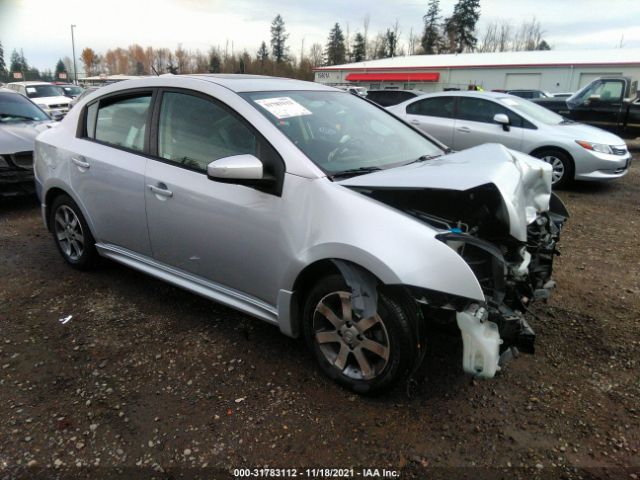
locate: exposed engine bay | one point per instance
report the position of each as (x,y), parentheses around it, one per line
(512,273)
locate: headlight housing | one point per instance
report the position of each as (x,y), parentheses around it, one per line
(42,106)
(596,147)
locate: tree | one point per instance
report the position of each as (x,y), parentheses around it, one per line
(18,64)
(263,53)
(3,66)
(60,68)
(358,51)
(214,61)
(316,55)
(335,51)
(543,45)
(90,60)
(278,40)
(461,26)
(431,38)
(392,34)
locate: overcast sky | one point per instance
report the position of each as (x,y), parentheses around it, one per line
(42,27)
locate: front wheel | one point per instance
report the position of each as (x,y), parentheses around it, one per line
(561,163)
(367,355)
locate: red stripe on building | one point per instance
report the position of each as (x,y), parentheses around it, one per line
(393,77)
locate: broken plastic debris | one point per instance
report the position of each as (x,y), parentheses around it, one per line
(65,319)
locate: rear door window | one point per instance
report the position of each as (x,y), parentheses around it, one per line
(121,121)
(433,107)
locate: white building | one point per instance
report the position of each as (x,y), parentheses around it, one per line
(550,70)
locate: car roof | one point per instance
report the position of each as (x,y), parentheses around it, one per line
(467,93)
(255,83)
(31,82)
(235,82)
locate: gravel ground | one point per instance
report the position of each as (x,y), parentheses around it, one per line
(149,381)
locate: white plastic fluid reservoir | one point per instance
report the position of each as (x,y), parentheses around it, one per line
(481,345)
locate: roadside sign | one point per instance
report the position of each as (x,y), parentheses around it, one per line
(17,74)
(62,75)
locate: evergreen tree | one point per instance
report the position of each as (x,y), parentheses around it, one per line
(214,62)
(543,45)
(461,26)
(16,62)
(3,66)
(431,38)
(335,52)
(278,40)
(391,43)
(60,68)
(359,51)
(263,52)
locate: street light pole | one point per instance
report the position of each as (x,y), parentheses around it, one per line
(73,49)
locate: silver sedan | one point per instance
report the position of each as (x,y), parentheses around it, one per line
(309,208)
(466,119)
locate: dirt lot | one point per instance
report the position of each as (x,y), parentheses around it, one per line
(147,380)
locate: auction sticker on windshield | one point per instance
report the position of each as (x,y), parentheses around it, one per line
(283,107)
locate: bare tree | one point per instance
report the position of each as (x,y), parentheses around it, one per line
(316,55)
(365,23)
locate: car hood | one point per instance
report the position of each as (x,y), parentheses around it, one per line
(20,136)
(51,100)
(524,182)
(587,133)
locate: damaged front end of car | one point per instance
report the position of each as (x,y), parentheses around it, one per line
(507,231)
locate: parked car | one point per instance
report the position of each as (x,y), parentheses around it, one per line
(387,98)
(48,97)
(70,90)
(611,103)
(562,94)
(20,122)
(308,208)
(466,119)
(354,89)
(85,92)
(529,94)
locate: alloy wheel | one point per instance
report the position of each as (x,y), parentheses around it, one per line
(357,347)
(69,233)
(557,166)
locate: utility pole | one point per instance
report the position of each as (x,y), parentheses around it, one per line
(73,49)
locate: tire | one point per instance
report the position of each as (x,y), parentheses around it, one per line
(386,341)
(71,234)
(562,164)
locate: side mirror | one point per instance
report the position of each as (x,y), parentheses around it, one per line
(502,119)
(237,167)
(57,116)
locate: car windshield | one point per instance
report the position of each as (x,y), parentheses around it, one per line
(39,91)
(72,90)
(16,108)
(340,132)
(532,110)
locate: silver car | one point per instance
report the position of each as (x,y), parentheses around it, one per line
(466,119)
(20,123)
(309,208)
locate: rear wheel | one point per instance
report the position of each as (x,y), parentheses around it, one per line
(71,233)
(366,355)
(561,163)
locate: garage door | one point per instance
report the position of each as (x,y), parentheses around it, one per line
(517,81)
(586,78)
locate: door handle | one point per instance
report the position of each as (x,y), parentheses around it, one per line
(80,162)
(415,122)
(161,189)
(464,129)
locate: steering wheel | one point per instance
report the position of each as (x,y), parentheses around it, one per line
(347,146)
